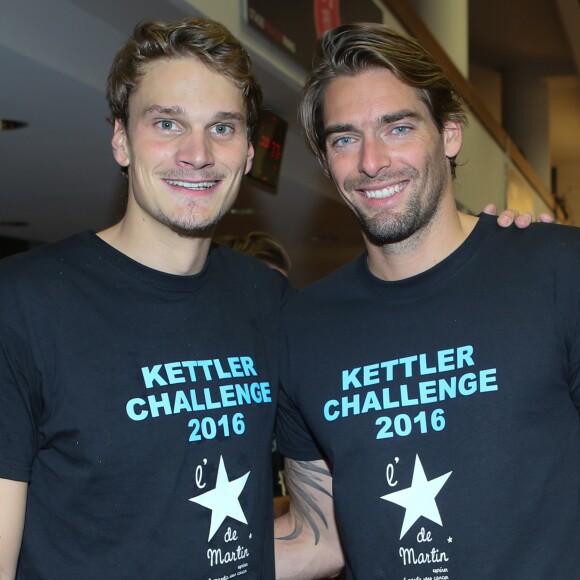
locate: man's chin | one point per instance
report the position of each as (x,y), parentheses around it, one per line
(198,228)
(382,238)
(194,231)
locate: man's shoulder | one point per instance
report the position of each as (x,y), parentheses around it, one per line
(245,272)
(342,284)
(535,231)
(557,233)
(41,259)
(544,240)
(550,250)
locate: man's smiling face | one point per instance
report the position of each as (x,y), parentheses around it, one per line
(186,146)
(385,154)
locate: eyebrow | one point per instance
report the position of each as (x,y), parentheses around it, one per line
(384,120)
(230,115)
(177,111)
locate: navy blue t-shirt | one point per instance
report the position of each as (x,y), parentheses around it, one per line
(139,406)
(447,405)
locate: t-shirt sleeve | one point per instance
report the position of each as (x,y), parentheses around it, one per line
(19,408)
(293,437)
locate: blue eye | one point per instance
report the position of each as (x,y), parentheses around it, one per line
(167,125)
(343,141)
(222,129)
(401,130)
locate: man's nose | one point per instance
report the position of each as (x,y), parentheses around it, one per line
(195,150)
(375,155)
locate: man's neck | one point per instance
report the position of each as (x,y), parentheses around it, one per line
(158,248)
(447,231)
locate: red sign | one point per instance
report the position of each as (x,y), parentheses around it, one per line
(326,15)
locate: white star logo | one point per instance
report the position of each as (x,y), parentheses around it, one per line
(223,499)
(419,499)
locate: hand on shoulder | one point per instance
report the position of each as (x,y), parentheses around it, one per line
(512,216)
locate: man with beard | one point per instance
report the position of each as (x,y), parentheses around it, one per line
(431,388)
(138,368)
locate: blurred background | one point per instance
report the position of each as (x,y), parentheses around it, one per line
(516,62)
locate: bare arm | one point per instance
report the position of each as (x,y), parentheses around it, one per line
(12,510)
(307,542)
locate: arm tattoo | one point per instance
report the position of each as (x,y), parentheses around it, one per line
(301,475)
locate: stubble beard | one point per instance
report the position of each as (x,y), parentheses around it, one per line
(190,225)
(386,227)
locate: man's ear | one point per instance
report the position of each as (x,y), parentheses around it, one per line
(452,138)
(120,143)
(249,158)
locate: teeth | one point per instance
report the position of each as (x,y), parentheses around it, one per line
(196,186)
(387,192)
